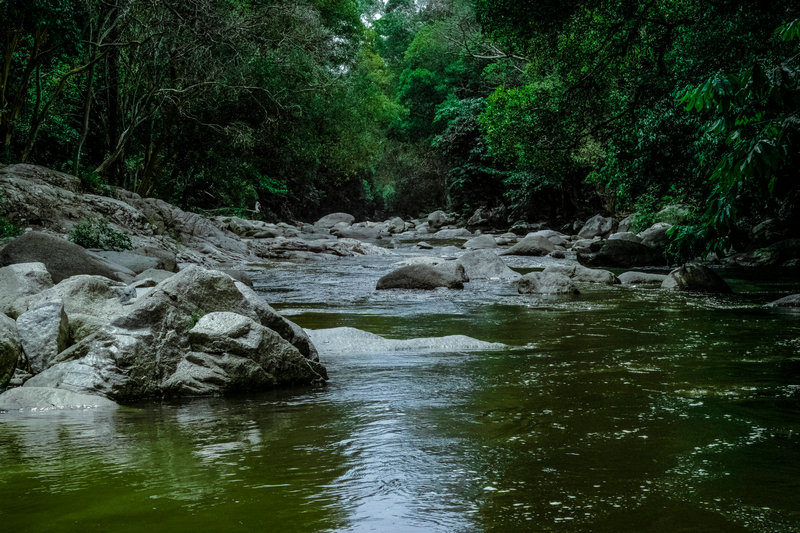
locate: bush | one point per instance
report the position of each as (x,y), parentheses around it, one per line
(96,233)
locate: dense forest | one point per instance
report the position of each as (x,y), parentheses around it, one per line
(536,110)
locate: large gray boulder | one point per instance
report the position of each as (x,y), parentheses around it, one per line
(531,245)
(557,238)
(625,236)
(598,226)
(581,274)
(546,283)
(45,398)
(148,352)
(481,242)
(451,234)
(329,221)
(656,235)
(437,219)
(695,277)
(486,264)
(20,280)
(425,277)
(641,278)
(43,333)
(233,353)
(10,348)
(621,253)
(61,257)
(136,263)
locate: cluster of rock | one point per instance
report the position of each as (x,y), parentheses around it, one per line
(88,339)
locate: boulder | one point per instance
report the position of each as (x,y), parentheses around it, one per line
(546,283)
(166,260)
(149,351)
(793,300)
(20,280)
(655,236)
(620,253)
(480,242)
(451,234)
(424,277)
(625,224)
(641,278)
(395,225)
(598,226)
(486,264)
(137,263)
(154,274)
(43,333)
(234,353)
(44,398)
(360,233)
(559,239)
(625,236)
(453,269)
(61,257)
(329,221)
(10,348)
(780,253)
(769,231)
(695,277)
(531,245)
(352,341)
(437,219)
(581,274)
(673,214)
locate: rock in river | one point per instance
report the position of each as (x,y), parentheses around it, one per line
(546,283)
(355,341)
(424,277)
(695,277)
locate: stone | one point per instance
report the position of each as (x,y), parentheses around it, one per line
(625,224)
(451,234)
(531,245)
(166,260)
(655,236)
(136,263)
(422,245)
(352,341)
(673,214)
(453,269)
(559,239)
(395,225)
(423,277)
(480,242)
(546,283)
(695,277)
(641,278)
(43,333)
(621,253)
(625,236)
(598,226)
(437,219)
(486,264)
(154,274)
(10,348)
(793,300)
(61,257)
(45,398)
(329,221)
(581,274)
(20,280)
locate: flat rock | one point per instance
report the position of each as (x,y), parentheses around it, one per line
(581,274)
(423,277)
(329,221)
(546,283)
(45,399)
(531,245)
(351,341)
(641,278)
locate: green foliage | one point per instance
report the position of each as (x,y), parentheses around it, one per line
(96,233)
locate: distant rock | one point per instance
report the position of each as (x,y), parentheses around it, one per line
(621,253)
(329,221)
(581,274)
(598,226)
(625,236)
(480,242)
(695,277)
(546,283)
(437,219)
(424,277)
(486,264)
(793,300)
(656,235)
(641,278)
(531,245)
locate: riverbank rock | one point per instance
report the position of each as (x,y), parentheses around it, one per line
(60,257)
(531,245)
(695,277)
(45,399)
(20,280)
(486,264)
(625,236)
(437,219)
(43,333)
(423,277)
(329,221)
(793,300)
(621,253)
(10,348)
(642,278)
(353,341)
(139,354)
(546,283)
(481,242)
(581,274)
(655,236)
(598,226)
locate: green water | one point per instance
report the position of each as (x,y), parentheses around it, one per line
(618,410)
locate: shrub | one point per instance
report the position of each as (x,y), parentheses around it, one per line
(96,233)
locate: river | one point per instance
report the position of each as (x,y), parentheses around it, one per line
(617,410)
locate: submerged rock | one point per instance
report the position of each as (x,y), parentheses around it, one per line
(424,277)
(694,277)
(793,300)
(355,341)
(45,398)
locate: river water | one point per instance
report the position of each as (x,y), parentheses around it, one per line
(617,410)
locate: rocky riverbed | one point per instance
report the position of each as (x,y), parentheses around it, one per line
(176,314)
